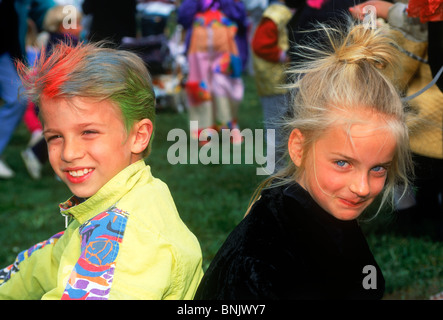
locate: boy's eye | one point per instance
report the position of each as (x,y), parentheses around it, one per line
(53,137)
(87,132)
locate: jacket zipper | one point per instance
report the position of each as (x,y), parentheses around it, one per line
(66,219)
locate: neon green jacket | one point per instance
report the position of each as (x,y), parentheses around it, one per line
(125,242)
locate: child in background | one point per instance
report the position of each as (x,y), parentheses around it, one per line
(64,24)
(418,29)
(61,25)
(125,239)
(33,48)
(270,45)
(214,85)
(348,144)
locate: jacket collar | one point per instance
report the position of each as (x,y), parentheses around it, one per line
(107,197)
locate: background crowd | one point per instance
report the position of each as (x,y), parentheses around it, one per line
(207,83)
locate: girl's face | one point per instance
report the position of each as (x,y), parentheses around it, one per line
(346,170)
(87,142)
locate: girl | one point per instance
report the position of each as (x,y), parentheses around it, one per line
(348,143)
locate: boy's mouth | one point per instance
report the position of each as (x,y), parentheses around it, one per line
(79,173)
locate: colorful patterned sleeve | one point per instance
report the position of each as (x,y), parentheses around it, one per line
(18,286)
(92,276)
(8,272)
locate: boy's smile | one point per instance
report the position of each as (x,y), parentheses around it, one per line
(80,175)
(87,142)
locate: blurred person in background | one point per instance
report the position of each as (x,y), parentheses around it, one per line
(270,46)
(154,15)
(255,10)
(217,52)
(62,24)
(418,28)
(13,28)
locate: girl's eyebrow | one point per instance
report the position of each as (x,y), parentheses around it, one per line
(343,156)
(350,159)
(385,164)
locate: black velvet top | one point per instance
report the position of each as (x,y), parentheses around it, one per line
(288,247)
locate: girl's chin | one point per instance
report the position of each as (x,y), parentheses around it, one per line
(347,214)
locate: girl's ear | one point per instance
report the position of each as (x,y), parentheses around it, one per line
(142,135)
(295,146)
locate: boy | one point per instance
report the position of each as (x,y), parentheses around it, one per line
(125,239)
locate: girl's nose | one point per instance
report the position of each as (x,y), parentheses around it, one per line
(360,185)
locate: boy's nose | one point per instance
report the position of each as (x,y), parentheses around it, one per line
(71,150)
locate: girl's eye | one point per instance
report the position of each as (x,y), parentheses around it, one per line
(341,163)
(379,169)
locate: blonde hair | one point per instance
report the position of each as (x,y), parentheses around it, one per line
(95,71)
(348,70)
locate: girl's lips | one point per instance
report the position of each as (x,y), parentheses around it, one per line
(350,203)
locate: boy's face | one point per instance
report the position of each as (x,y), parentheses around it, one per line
(87,142)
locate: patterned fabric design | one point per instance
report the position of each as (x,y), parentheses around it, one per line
(9,271)
(197,92)
(92,276)
(213,18)
(73,201)
(212,50)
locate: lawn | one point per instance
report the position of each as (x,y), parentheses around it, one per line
(211,200)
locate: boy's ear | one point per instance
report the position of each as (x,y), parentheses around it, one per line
(295,146)
(142,135)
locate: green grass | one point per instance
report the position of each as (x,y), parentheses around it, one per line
(211,200)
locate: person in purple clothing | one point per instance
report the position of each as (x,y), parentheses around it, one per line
(217,53)
(233,9)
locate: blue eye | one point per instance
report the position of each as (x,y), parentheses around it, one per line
(378,169)
(341,163)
